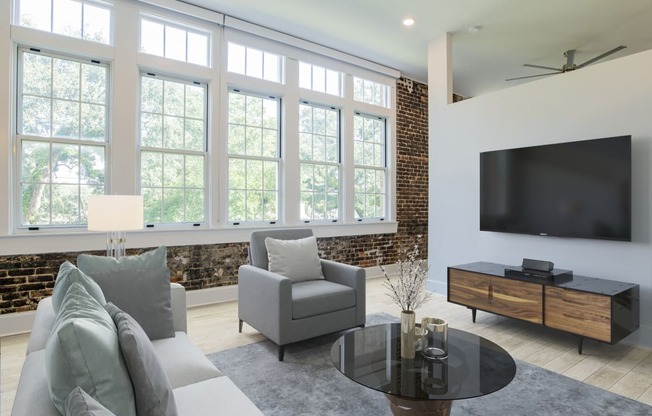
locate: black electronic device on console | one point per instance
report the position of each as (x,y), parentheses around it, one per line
(540,265)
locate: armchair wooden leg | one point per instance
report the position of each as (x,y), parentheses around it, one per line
(281,352)
(240,326)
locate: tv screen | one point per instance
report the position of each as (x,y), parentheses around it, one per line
(577,189)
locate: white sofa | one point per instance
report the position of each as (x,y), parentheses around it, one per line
(199,388)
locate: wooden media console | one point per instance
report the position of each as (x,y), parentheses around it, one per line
(600,309)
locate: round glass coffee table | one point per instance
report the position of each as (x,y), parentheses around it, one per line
(474,367)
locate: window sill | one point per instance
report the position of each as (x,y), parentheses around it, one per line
(52,241)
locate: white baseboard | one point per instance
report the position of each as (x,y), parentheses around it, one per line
(211,295)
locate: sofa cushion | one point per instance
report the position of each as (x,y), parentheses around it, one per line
(182,361)
(83,351)
(69,274)
(152,388)
(142,293)
(295,259)
(79,403)
(92,264)
(317,297)
(216,396)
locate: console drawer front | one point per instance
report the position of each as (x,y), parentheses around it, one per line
(469,289)
(581,313)
(517,299)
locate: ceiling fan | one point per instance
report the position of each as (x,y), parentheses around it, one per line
(570,64)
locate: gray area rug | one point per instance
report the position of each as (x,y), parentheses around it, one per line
(307,383)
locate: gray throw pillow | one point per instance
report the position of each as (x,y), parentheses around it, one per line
(296,259)
(83,351)
(142,293)
(69,274)
(90,264)
(79,403)
(152,388)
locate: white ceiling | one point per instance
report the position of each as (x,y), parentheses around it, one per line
(511,32)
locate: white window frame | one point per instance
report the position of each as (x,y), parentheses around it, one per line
(20,138)
(378,168)
(168,151)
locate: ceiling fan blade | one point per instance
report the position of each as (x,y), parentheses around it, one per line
(534,76)
(604,55)
(542,67)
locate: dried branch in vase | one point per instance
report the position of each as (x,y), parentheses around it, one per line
(408,289)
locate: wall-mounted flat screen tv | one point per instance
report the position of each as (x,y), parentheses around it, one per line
(577,189)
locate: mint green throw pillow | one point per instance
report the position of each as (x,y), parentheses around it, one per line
(69,274)
(90,264)
(83,350)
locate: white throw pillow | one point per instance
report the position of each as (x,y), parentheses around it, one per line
(296,259)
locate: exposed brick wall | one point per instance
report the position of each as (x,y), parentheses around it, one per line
(26,279)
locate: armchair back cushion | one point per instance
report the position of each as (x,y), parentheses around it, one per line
(258,250)
(296,259)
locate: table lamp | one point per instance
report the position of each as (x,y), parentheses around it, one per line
(115,214)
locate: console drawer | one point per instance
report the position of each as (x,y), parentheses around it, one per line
(581,313)
(517,299)
(469,289)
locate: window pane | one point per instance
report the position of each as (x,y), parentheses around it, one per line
(65,119)
(197,49)
(37,74)
(93,122)
(93,84)
(67,18)
(174,94)
(36,14)
(194,171)
(236,58)
(172,170)
(35,159)
(151,96)
(151,130)
(318,79)
(151,169)
(254,63)
(173,132)
(175,43)
(333,83)
(151,37)
(97,23)
(305,75)
(271,67)
(36,116)
(173,205)
(195,102)
(194,205)
(152,205)
(92,165)
(65,79)
(65,204)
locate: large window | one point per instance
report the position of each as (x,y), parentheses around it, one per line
(253,148)
(174,41)
(62,135)
(84,19)
(173,150)
(319,152)
(370,180)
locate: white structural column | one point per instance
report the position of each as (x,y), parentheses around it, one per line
(440,94)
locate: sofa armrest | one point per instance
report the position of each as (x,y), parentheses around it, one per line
(351,276)
(264,301)
(178,304)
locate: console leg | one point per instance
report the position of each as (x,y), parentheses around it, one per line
(240,326)
(579,345)
(281,352)
(473,313)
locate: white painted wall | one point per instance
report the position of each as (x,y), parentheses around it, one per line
(609,99)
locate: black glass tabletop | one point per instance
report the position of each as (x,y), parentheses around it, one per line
(372,357)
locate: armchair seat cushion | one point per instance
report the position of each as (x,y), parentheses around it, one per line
(317,297)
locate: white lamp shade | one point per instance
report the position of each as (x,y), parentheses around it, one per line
(115,212)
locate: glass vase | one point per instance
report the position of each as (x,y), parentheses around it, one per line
(408,319)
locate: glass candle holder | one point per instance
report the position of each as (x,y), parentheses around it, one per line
(435,341)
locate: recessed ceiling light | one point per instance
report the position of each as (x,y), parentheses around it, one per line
(408,21)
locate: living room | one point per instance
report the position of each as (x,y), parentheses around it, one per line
(602,101)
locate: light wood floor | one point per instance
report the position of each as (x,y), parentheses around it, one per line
(620,368)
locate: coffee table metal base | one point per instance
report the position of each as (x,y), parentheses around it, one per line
(412,407)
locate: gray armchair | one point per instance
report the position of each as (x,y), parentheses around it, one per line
(287,312)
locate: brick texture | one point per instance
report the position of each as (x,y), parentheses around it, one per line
(26,279)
